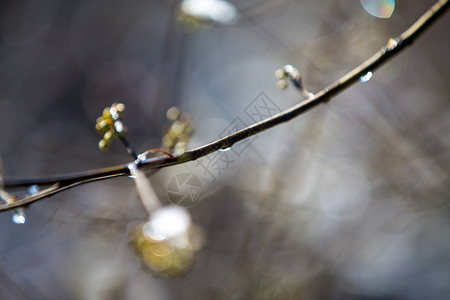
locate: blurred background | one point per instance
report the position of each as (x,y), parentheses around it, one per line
(349,201)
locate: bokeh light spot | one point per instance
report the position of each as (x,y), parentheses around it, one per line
(219,11)
(379,8)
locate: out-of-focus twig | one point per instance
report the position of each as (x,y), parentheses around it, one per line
(393,47)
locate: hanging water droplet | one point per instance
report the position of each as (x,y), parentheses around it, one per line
(366,77)
(225,149)
(132,167)
(19,216)
(33,189)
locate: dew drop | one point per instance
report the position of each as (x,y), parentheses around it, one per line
(33,189)
(225,149)
(132,167)
(19,216)
(139,159)
(366,77)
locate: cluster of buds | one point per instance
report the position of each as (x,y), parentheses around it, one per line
(289,73)
(177,138)
(168,242)
(110,125)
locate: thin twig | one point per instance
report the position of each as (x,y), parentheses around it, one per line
(394,46)
(128,146)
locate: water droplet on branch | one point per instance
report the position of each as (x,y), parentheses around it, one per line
(33,189)
(366,77)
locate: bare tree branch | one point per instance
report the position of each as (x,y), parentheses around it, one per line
(394,46)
